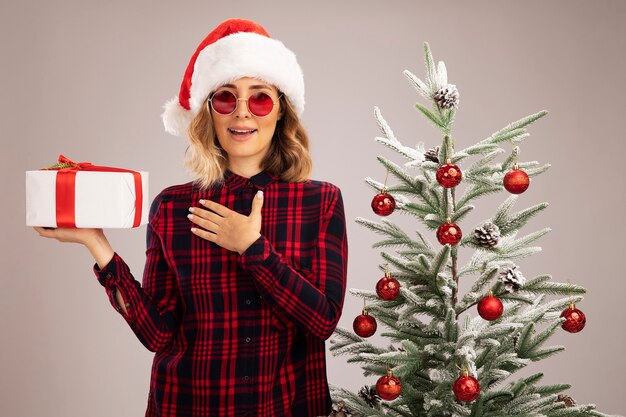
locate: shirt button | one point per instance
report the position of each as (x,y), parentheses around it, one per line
(109,275)
(246,378)
(248,301)
(248,340)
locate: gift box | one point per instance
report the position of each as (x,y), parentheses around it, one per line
(80,194)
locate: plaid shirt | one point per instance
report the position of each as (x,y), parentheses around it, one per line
(239,335)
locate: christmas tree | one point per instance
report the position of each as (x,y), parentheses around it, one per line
(454,354)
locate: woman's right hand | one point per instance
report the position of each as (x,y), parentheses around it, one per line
(93,239)
(67,234)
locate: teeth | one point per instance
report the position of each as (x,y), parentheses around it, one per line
(242,131)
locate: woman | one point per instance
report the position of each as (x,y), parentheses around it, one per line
(246,265)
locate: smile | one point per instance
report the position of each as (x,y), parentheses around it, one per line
(241,135)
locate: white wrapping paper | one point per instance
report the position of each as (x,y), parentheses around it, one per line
(103,199)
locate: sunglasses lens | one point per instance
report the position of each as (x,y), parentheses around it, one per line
(224,102)
(260,104)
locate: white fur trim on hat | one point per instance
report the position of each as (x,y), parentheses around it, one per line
(176,119)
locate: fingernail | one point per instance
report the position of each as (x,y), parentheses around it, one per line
(259,194)
(201,201)
(191,209)
(190,216)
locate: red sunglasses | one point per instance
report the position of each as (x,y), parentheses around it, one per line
(224,102)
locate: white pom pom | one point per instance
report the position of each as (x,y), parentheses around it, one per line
(176,119)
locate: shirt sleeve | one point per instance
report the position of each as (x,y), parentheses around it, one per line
(153,307)
(316,308)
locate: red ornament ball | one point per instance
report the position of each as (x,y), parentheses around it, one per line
(388,288)
(490,307)
(383,204)
(574,319)
(449,175)
(449,233)
(466,388)
(388,387)
(516,181)
(364,325)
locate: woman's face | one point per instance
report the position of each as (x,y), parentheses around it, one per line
(246,149)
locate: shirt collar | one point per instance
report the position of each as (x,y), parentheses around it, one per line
(260,181)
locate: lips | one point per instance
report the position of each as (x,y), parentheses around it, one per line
(241,134)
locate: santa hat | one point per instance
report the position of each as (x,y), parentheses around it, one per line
(235,48)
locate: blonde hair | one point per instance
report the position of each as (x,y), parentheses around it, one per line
(288,156)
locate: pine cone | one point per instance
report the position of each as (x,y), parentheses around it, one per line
(340,410)
(370,396)
(569,401)
(512,279)
(447,97)
(432,154)
(487,235)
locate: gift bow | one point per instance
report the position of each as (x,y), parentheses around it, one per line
(66,189)
(66,163)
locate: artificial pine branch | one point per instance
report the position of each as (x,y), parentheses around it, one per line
(554,288)
(458,215)
(512,223)
(508,246)
(397,236)
(418,210)
(414,155)
(475,292)
(402,264)
(402,411)
(484,161)
(430,116)
(518,296)
(546,352)
(507,250)
(355,403)
(511,159)
(419,85)
(498,330)
(533,172)
(401,174)
(445,150)
(474,191)
(364,294)
(476,149)
(430,69)
(513,129)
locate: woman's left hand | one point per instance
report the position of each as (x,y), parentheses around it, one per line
(225,227)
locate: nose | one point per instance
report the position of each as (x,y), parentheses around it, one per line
(242,108)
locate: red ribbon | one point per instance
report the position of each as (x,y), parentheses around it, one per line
(65,189)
